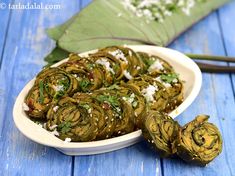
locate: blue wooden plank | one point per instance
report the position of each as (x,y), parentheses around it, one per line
(216,99)
(136,160)
(25,48)
(226,17)
(5,15)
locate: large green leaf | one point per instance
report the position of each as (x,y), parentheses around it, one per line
(56,32)
(56,55)
(99,25)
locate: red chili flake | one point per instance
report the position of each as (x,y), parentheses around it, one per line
(79,62)
(70,62)
(106,106)
(30,105)
(90,75)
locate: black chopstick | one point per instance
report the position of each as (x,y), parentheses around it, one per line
(210,68)
(213,68)
(211,58)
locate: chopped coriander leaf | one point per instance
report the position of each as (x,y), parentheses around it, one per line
(168,78)
(61,87)
(64,127)
(84,84)
(86,106)
(46,87)
(90,66)
(116,67)
(131,100)
(149,62)
(58,94)
(112,100)
(64,83)
(41,89)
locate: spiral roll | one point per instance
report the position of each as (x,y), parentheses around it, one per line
(160,131)
(75,120)
(38,102)
(199,141)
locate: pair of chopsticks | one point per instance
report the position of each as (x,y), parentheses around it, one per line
(211,68)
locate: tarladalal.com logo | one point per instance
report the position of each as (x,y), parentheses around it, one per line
(3,5)
(29,6)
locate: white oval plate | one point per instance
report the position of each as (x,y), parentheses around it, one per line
(187,69)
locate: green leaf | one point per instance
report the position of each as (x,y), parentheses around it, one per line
(84,84)
(58,94)
(56,55)
(41,89)
(86,106)
(98,25)
(149,62)
(64,127)
(112,100)
(64,83)
(56,32)
(169,78)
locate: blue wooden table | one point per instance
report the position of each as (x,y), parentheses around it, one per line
(23,44)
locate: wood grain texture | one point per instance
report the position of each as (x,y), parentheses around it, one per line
(226,19)
(137,160)
(25,47)
(4,21)
(226,15)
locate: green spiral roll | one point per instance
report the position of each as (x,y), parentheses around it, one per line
(199,141)
(131,94)
(119,110)
(89,75)
(106,102)
(154,92)
(160,131)
(125,122)
(75,120)
(57,82)
(174,88)
(112,68)
(154,64)
(106,117)
(38,102)
(131,63)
